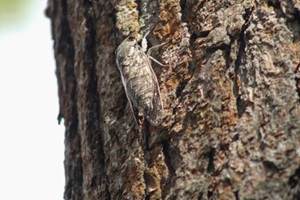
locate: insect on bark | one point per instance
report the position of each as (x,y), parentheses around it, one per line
(139,80)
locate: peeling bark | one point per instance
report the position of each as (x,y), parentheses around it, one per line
(230,86)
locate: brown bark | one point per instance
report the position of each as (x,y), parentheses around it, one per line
(230,88)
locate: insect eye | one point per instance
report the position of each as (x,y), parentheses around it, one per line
(131,38)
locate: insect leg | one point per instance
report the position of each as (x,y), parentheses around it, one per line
(156,61)
(156,46)
(149,54)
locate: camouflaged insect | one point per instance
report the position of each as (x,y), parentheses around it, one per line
(139,80)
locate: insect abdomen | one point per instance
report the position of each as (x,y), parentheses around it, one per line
(141,87)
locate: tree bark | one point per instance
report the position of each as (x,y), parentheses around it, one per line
(230,88)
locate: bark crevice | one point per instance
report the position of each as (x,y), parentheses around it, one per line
(241,104)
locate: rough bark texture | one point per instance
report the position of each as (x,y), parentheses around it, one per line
(230,88)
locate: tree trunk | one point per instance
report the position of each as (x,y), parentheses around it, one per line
(230,88)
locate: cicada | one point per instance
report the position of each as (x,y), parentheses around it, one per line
(139,80)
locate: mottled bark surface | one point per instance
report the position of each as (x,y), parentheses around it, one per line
(230,88)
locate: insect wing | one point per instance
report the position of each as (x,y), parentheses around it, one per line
(139,80)
(153,111)
(155,115)
(123,59)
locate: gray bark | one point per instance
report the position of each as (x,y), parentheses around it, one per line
(230,88)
